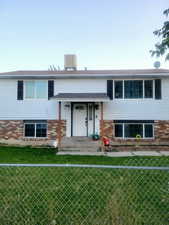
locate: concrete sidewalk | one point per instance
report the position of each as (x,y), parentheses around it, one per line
(118,154)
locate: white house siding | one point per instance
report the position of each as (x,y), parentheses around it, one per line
(140,109)
(11,108)
(80,85)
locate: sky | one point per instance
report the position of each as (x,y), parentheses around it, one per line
(104,34)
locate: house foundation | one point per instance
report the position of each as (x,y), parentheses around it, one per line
(160,141)
(12,132)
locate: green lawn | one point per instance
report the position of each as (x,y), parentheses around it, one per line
(48,155)
(86,196)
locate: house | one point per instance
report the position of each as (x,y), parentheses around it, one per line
(40,107)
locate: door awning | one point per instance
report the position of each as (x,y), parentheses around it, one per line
(81,97)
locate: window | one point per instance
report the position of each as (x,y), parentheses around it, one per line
(118,89)
(41,130)
(35,129)
(29,130)
(35,89)
(118,130)
(148,88)
(130,129)
(133,89)
(41,89)
(90,111)
(158,89)
(80,107)
(29,89)
(148,130)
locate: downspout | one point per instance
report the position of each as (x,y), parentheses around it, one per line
(59,127)
(102,133)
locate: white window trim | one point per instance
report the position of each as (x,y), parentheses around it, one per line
(35,137)
(143,98)
(133,138)
(35,97)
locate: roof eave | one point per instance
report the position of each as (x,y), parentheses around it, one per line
(81,99)
(85,76)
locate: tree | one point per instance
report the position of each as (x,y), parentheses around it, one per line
(162,48)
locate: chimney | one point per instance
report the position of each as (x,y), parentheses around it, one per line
(70,62)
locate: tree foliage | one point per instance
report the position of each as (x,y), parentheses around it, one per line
(162,48)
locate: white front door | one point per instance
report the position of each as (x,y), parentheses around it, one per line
(79,119)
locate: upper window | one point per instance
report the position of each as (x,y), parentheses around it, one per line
(118,89)
(35,89)
(133,89)
(148,88)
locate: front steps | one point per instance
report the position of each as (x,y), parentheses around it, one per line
(79,144)
(86,144)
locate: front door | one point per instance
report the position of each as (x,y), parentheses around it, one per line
(80,121)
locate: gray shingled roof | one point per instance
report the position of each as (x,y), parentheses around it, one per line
(86,74)
(83,72)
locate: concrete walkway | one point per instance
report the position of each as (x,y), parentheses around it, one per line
(118,154)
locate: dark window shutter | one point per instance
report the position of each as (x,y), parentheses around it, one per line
(50,88)
(110,88)
(158,89)
(20,90)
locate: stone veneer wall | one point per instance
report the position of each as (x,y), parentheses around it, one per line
(161,130)
(108,128)
(12,132)
(160,141)
(53,129)
(11,129)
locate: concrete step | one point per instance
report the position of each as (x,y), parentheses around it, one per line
(87,145)
(79,144)
(78,149)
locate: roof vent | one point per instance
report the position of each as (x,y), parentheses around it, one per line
(70,62)
(157,64)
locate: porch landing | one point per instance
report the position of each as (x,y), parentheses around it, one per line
(79,144)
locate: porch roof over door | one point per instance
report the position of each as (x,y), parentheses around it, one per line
(81,97)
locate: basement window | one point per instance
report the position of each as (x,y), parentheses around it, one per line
(35,129)
(132,129)
(119,130)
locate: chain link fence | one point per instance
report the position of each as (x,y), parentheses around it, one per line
(84,195)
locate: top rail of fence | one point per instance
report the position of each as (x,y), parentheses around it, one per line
(87,166)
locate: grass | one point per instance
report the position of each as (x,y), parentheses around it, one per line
(48,155)
(87,196)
